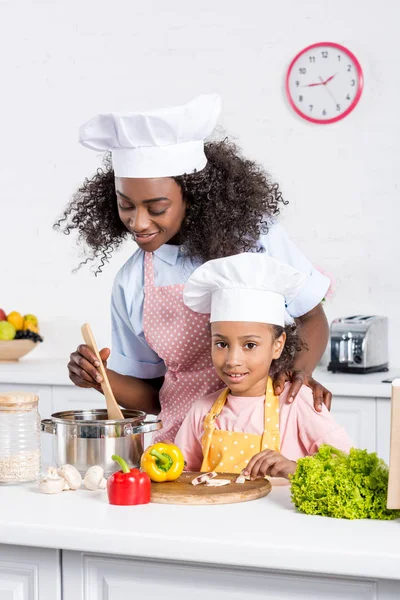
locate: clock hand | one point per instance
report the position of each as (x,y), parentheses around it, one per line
(322,82)
(327,89)
(329,79)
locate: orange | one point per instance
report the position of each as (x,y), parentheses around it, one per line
(16,319)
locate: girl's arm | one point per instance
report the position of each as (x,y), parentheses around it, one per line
(317,428)
(188,439)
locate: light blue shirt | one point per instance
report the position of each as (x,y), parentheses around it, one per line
(131,354)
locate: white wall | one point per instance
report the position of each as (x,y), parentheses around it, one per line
(61,62)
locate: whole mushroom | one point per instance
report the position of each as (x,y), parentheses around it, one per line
(51,482)
(71,476)
(94,479)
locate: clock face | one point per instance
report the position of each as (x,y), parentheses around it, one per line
(324,83)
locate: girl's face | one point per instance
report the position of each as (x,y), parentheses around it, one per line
(242,354)
(151,209)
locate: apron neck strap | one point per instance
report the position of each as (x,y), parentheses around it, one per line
(148,269)
(271,417)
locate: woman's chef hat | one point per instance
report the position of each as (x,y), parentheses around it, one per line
(157,143)
(246,287)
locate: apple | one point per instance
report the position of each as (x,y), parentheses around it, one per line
(7,331)
(3,316)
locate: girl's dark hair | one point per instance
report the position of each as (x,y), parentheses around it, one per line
(229,204)
(293,345)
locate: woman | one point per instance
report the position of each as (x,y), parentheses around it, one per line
(184,202)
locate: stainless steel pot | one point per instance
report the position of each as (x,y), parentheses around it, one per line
(84,438)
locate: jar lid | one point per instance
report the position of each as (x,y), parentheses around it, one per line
(18,401)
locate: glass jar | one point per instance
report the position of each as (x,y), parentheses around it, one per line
(19,437)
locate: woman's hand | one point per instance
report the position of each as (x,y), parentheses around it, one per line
(83,366)
(269,462)
(298,378)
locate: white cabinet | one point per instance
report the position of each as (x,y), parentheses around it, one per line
(383,428)
(97,577)
(29,573)
(358,417)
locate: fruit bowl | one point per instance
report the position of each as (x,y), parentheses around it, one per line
(13,350)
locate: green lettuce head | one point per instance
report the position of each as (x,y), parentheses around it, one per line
(345,486)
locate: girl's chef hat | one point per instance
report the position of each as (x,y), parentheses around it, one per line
(245,287)
(157,143)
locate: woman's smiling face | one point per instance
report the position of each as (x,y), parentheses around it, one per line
(242,354)
(151,209)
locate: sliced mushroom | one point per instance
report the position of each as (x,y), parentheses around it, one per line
(240,479)
(203,478)
(217,482)
(94,479)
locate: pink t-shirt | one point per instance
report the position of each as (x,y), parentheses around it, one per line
(303,430)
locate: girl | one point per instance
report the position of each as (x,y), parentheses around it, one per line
(247,427)
(184,202)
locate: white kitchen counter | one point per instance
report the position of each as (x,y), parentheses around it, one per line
(266,533)
(84,549)
(54,372)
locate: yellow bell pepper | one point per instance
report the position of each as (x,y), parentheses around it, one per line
(162,462)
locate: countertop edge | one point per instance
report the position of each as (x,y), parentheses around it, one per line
(318,562)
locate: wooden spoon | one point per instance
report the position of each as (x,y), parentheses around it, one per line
(113,410)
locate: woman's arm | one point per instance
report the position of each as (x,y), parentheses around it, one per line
(313,329)
(139,394)
(130,392)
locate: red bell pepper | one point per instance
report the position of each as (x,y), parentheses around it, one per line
(128,486)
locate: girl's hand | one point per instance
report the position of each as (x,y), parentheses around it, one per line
(269,462)
(83,365)
(298,378)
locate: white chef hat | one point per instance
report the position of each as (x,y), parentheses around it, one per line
(157,143)
(246,287)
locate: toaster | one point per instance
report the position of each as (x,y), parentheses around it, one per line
(359,344)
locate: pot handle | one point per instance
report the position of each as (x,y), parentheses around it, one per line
(47,426)
(147,427)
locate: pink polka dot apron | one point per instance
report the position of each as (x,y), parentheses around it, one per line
(181,338)
(231,451)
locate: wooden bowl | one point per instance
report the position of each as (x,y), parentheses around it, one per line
(13,350)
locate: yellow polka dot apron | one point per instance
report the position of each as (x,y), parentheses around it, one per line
(181,338)
(231,451)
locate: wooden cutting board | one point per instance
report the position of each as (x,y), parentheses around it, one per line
(181,491)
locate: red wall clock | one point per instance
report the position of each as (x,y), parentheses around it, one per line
(324,83)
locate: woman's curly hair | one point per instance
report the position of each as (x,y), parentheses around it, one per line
(228,205)
(292,347)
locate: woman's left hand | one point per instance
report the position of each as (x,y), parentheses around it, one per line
(298,378)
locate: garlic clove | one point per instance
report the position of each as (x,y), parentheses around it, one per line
(71,476)
(94,478)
